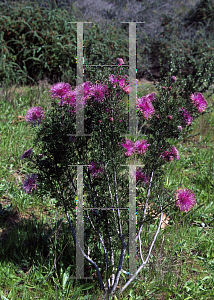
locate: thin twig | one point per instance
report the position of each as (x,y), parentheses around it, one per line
(147,258)
(145,207)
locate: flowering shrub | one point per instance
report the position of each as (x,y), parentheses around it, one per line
(105,154)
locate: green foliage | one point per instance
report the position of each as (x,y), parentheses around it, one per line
(34,42)
(180,37)
(37,43)
(202,14)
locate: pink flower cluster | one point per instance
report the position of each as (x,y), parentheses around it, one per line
(144,104)
(168,155)
(64,92)
(199,101)
(138,147)
(120,82)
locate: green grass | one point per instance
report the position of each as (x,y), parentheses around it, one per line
(35,243)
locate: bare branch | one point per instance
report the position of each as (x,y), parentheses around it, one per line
(147,258)
(145,207)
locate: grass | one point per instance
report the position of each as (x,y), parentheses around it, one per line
(37,250)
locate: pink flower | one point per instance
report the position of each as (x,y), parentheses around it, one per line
(180,128)
(87,88)
(163,87)
(173,79)
(175,153)
(170,87)
(60,89)
(127,89)
(185,199)
(169,117)
(199,101)
(98,92)
(27,153)
(94,169)
(167,155)
(120,61)
(141,146)
(34,114)
(111,119)
(130,146)
(187,116)
(140,176)
(30,183)
(121,81)
(99,121)
(69,98)
(113,80)
(145,106)
(151,97)
(83,92)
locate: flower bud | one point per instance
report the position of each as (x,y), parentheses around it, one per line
(169,117)
(170,87)
(99,121)
(111,119)
(173,79)
(120,61)
(163,87)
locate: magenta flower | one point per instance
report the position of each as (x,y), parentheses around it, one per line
(98,92)
(30,183)
(27,153)
(167,155)
(185,199)
(175,153)
(59,89)
(199,101)
(69,98)
(84,90)
(187,116)
(130,146)
(94,169)
(140,176)
(113,80)
(34,114)
(145,106)
(127,89)
(173,79)
(121,81)
(151,97)
(120,61)
(141,146)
